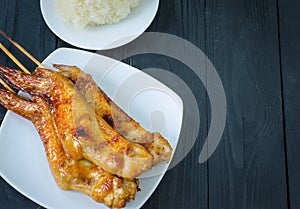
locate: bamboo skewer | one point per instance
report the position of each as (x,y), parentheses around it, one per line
(12,57)
(6,86)
(21,49)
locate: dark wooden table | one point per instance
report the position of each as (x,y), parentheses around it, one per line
(255,48)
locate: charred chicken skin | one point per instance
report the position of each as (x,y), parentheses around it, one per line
(70,174)
(105,108)
(83,135)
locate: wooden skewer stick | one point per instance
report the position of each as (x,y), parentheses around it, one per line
(6,86)
(13,58)
(1,81)
(21,49)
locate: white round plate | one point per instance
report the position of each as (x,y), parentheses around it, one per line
(23,162)
(103,36)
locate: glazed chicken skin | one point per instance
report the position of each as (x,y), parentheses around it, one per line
(83,135)
(104,107)
(70,174)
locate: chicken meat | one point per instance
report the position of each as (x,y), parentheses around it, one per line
(70,174)
(105,108)
(83,135)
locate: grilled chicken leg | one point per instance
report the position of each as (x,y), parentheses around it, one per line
(68,173)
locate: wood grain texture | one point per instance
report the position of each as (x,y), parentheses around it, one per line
(26,26)
(248,168)
(290,52)
(255,48)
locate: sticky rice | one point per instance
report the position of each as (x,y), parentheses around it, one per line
(95,12)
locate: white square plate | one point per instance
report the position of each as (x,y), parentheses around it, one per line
(23,162)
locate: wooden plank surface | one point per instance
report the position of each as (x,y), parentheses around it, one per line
(248,168)
(255,52)
(290,52)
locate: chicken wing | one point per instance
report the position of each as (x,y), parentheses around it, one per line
(70,174)
(83,135)
(104,107)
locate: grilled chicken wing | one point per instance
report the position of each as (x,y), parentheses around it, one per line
(104,107)
(83,135)
(68,173)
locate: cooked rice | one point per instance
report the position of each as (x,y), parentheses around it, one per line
(95,12)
